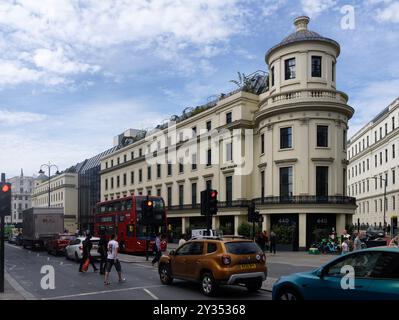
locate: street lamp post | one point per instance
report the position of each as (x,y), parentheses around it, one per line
(48,166)
(385,199)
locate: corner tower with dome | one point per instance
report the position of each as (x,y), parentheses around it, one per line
(303,121)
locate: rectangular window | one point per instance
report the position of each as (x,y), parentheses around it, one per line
(112,163)
(380,158)
(132,177)
(209,157)
(272,77)
(193,194)
(209,126)
(393,177)
(368,185)
(229,151)
(386,128)
(124,179)
(375,136)
(140,152)
(132,155)
(393,151)
(229,190)
(290,72)
(333,71)
(321,181)
(262,185)
(169,195)
(124,158)
(194,129)
(316,66)
(158,170)
(149,173)
(140,175)
(117,160)
(169,168)
(393,203)
(159,192)
(228,117)
(322,136)
(117,181)
(181,165)
(375,161)
(181,195)
(286,182)
(386,155)
(262,144)
(106,165)
(368,140)
(393,123)
(380,133)
(286,138)
(106,184)
(194,162)
(368,164)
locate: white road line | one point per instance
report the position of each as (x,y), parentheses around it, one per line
(17,287)
(151,294)
(100,292)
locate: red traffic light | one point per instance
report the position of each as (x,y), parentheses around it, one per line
(5,188)
(214,194)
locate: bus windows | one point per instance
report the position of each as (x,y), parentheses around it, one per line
(129,205)
(123,206)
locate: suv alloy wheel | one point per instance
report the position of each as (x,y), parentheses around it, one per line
(208,285)
(164,274)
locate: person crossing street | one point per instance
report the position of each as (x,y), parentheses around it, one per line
(112,260)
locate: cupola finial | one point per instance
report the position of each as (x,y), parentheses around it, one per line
(301,23)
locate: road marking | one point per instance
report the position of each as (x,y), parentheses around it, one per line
(17,287)
(11,246)
(101,292)
(151,294)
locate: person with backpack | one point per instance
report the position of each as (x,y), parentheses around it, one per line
(87,246)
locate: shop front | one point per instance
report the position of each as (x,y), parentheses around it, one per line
(319,226)
(286,228)
(226,224)
(174,229)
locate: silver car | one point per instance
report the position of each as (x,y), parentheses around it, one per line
(75,249)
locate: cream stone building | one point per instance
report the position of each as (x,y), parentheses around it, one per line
(281,144)
(373,161)
(63,194)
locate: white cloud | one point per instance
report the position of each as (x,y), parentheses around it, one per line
(389,14)
(57,62)
(19,118)
(64,37)
(314,7)
(11,73)
(271,6)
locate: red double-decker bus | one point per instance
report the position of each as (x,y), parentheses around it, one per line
(124,218)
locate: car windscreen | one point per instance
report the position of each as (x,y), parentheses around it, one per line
(242,247)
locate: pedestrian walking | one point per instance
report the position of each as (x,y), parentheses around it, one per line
(345,247)
(112,259)
(157,249)
(87,246)
(273,242)
(182,240)
(266,239)
(357,244)
(102,250)
(260,240)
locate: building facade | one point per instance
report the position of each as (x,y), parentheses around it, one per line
(63,194)
(279,141)
(373,168)
(21,198)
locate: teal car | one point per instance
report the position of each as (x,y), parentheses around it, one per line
(370,274)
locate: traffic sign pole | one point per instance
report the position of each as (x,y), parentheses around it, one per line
(2,253)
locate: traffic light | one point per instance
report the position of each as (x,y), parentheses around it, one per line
(209,202)
(148,210)
(5,199)
(253,215)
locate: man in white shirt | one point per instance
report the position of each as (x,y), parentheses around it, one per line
(112,259)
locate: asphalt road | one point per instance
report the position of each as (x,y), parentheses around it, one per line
(142,281)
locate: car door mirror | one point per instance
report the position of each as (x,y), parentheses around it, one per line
(320,273)
(172,252)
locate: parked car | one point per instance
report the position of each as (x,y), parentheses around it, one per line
(213,261)
(58,244)
(75,249)
(376,277)
(12,238)
(373,234)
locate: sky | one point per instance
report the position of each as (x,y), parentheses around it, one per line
(74,73)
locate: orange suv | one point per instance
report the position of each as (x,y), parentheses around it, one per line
(216,261)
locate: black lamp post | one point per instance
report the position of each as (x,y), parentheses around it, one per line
(385,199)
(48,166)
